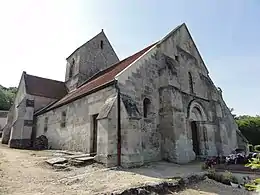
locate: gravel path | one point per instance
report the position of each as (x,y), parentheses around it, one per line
(24,172)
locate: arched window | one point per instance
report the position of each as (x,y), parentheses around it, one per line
(191,83)
(71,68)
(146,107)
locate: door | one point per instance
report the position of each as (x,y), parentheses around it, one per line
(94,134)
(195,138)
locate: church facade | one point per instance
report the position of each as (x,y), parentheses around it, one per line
(158,104)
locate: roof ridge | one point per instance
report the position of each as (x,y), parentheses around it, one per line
(108,68)
(45,78)
(171,32)
(85,43)
(99,82)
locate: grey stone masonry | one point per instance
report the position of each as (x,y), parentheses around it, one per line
(174,78)
(158,104)
(92,57)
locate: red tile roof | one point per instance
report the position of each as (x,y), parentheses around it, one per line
(103,78)
(44,87)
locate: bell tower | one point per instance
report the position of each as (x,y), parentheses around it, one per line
(95,55)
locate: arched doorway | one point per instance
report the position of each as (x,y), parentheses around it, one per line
(197,116)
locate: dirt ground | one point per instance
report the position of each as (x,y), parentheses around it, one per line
(25,172)
(211,187)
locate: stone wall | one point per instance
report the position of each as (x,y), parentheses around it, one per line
(164,75)
(141,139)
(184,60)
(77,133)
(89,59)
(107,139)
(20,118)
(18,112)
(7,129)
(3,122)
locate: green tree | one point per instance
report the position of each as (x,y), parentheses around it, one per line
(7,96)
(249,127)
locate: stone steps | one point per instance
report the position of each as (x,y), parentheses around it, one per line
(66,158)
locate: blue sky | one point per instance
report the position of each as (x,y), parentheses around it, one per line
(37,36)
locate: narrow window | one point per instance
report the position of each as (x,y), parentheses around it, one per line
(63,119)
(146,107)
(45,124)
(101,44)
(94,133)
(191,83)
(177,58)
(71,68)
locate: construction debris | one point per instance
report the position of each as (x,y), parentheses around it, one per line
(57,160)
(41,143)
(64,159)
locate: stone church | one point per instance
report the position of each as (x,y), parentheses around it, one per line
(157,104)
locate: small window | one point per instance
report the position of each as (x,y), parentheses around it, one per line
(177,58)
(71,68)
(191,83)
(45,124)
(146,107)
(63,119)
(101,44)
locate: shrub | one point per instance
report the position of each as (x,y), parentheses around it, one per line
(204,166)
(254,163)
(210,162)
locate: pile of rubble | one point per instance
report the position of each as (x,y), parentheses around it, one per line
(41,143)
(65,159)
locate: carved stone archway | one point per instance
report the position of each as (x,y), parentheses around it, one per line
(196,112)
(196,119)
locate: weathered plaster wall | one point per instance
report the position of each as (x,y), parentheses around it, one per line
(77,133)
(140,135)
(107,152)
(21,93)
(162,75)
(228,133)
(3,122)
(20,117)
(7,128)
(18,112)
(22,127)
(184,59)
(90,59)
